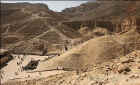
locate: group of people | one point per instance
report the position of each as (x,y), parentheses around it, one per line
(19,62)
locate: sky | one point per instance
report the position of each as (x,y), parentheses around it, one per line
(54,5)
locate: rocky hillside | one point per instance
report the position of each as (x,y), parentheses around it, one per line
(35,23)
(23,24)
(122,71)
(92,44)
(80,10)
(106,14)
(84,57)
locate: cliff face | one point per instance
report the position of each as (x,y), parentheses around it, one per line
(116,16)
(128,23)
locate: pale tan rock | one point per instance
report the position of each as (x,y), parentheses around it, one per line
(123,68)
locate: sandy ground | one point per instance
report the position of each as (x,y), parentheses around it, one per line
(14,72)
(98,76)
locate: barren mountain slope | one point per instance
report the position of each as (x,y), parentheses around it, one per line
(95,51)
(107,14)
(23,22)
(36,21)
(105,38)
(106,9)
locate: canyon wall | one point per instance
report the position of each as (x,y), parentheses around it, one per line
(124,25)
